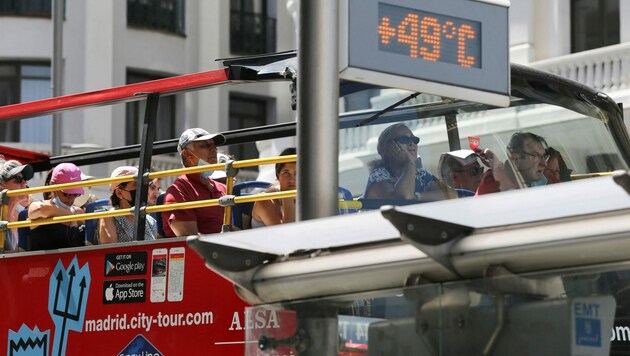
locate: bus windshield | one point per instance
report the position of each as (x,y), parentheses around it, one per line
(577,134)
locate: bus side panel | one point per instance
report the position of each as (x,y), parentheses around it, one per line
(156,298)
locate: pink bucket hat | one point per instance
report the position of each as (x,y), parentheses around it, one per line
(67,173)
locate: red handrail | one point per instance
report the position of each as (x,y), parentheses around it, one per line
(121,94)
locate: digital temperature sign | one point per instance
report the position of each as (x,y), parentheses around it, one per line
(429,36)
(453,48)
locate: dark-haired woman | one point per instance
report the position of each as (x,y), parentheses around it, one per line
(278,211)
(556,170)
(120,228)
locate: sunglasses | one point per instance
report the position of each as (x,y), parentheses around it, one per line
(538,156)
(70,195)
(405,140)
(474,171)
(18,179)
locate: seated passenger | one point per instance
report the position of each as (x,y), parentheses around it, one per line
(196,147)
(460,170)
(61,203)
(278,211)
(120,228)
(556,170)
(399,173)
(527,159)
(81,200)
(155,189)
(13,175)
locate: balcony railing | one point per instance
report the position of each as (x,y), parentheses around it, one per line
(606,69)
(164,15)
(34,8)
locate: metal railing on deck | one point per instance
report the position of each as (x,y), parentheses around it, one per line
(226,201)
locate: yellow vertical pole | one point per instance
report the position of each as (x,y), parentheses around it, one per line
(4,216)
(227,215)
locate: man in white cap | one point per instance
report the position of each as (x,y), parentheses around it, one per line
(53,236)
(197,147)
(461,170)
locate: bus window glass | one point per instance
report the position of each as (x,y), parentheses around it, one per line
(584,142)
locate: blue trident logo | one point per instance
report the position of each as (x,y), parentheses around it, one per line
(67,300)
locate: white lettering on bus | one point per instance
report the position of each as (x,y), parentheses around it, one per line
(261,319)
(145,321)
(620,333)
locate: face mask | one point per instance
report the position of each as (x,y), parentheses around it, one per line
(60,204)
(537,183)
(201,162)
(132,194)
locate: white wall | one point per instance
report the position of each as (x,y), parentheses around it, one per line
(624,12)
(25,38)
(521,34)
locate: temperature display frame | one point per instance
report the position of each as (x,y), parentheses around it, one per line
(452,48)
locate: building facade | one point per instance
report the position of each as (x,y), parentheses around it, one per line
(113,43)
(584,40)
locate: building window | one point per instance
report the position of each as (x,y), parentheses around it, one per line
(164,15)
(165,128)
(22,82)
(31,8)
(594,24)
(252,26)
(246,112)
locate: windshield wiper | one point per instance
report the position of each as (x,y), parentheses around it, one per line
(387,109)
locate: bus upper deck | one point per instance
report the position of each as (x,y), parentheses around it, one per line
(356,258)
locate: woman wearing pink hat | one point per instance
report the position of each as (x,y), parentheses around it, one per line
(61,203)
(120,228)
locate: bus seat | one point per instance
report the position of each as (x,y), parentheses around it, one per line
(604,162)
(90,225)
(158,216)
(462,193)
(23,232)
(242,213)
(346,195)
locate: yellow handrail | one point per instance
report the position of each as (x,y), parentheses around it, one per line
(153,209)
(152,175)
(343,204)
(263,161)
(150,209)
(70,218)
(350,204)
(590,175)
